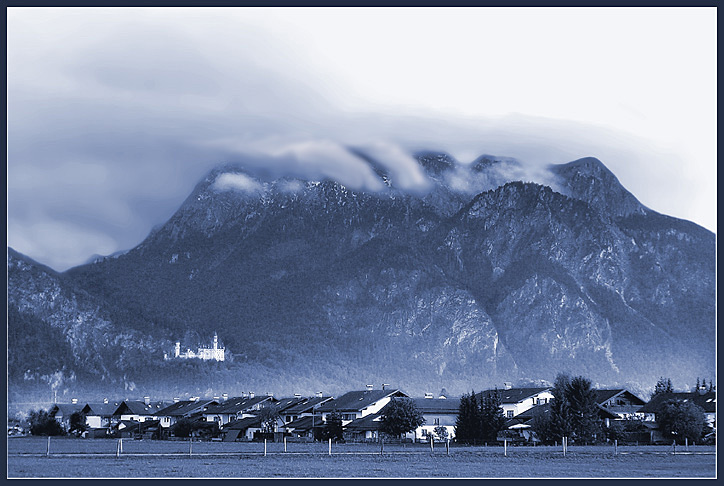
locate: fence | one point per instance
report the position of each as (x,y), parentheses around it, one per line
(68,447)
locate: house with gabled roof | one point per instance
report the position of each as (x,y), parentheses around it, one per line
(241,429)
(99,415)
(138,410)
(306,408)
(358,404)
(704,400)
(620,402)
(306,427)
(235,408)
(61,412)
(438,412)
(182,409)
(515,401)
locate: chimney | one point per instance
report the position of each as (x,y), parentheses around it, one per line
(176,399)
(251,394)
(194,399)
(216,398)
(385,385)
(297,395)
(369,387)
(319,394)
(507,385)
(269,394)
(429,395)
(147,400)
(105,400)
(224,396)
(73,401)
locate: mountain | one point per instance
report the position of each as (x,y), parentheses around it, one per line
(483,279)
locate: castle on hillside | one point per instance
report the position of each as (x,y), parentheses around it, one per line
(214,353)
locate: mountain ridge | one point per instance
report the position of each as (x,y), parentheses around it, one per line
(516,281)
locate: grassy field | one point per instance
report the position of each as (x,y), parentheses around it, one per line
(97,458)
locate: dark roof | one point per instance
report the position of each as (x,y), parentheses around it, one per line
(706,401)
(101,409)
(304,423)
(66,409)
(138,407)
(437,405)
(307,406)
(285,403)
(238,404)
(369,422)
(244,423)
(357,400)
(184,408)
(515,395)
(605,395)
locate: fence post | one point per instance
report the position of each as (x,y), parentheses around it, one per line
(447,446)
(505,447)
(563,444)
(432,447)
(674,445)
(47,449)
(191,442)
(330,446)
(120,443)
(686,442)
(264,447)
(382,445)
(285,443)
(615,447)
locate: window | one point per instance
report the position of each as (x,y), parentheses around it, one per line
(510,414)
(436,421)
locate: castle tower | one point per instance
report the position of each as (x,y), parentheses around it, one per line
(216,342)
(177,350)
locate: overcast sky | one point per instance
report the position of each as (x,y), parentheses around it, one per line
(115,114)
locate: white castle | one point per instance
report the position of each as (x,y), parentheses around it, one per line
(214,353)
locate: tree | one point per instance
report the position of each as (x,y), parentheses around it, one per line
(269,416)
(400,416)
(681,420)
(333,427)
(41,423)
(662,386)
(440,431)
(560,419)
(77,423)
(583,414)
(492,419)
(182,428)
(468,419)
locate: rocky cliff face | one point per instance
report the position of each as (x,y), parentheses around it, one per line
(482,279)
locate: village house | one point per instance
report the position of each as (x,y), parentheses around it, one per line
(620,402)
(61,412)
(706,400)
(99,417)
(306,408)
(138,410)
(515,401)
(242,429)
(236,408)
(358,404)
(182,409)
(438,412)
(521,426)
(301,420)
